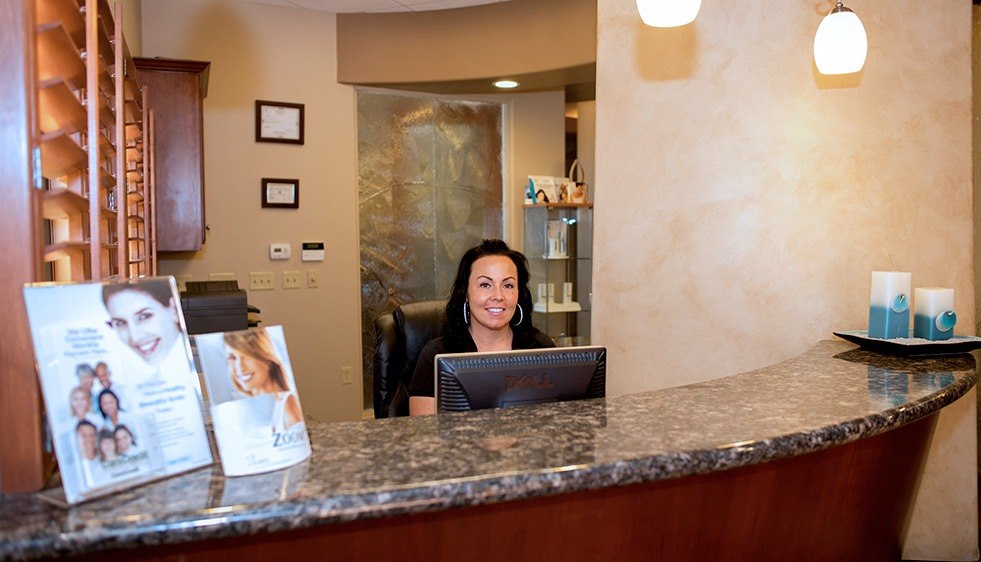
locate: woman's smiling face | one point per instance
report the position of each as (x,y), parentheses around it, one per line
(109,404)
(146,326)
(80,403)
(492,292)
(249,374)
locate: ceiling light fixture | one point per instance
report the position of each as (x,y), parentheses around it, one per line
(840,44)
(668,13)
(506,84)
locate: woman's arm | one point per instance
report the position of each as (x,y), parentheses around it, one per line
(421,405)
(293,412)
(422,389)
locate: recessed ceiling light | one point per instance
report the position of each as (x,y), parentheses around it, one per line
(506,84)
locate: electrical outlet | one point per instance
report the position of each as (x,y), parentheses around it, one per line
(182,280)
(346,374)
(221,277)
(291,279)
(313,278)
(261,281)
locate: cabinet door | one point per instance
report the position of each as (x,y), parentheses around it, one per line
(175,93)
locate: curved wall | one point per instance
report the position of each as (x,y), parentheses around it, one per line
(547,44)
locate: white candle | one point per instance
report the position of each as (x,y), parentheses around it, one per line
(889,304)
(887,286)
(932,301)
(934,318)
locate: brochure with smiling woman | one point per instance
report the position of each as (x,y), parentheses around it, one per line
(121,394)
(255,409)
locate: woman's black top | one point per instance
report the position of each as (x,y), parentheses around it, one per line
(424,376)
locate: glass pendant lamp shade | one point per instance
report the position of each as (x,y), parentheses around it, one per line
(840,44)
(668,13)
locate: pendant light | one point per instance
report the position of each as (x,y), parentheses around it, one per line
(668,13)
(840,44)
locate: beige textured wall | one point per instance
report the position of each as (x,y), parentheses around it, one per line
(745,200)
(537,123)
(272,53)
(288,54)
(490,40)
(132,28)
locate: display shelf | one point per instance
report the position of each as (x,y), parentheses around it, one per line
(67,13)
(558,245)
(58,57)
(107,114)
(61,250)
(107,148)
(105,44)
(60,155)
(60,203)
(561,206)
(134,131)
(132,112)
(66,119)
(557,307)
(59,108)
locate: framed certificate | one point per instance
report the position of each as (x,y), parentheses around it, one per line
(283,193)
(278,122)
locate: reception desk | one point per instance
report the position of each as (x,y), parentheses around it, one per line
(817,458)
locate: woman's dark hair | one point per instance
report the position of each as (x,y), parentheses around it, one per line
(122,427)
(119,407)
(157,290)
(455,327)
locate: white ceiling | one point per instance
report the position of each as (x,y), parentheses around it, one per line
(342,6)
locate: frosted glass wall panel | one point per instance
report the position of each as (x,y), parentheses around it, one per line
(430,181)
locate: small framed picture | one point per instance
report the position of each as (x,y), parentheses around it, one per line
(282,193)
(278,122)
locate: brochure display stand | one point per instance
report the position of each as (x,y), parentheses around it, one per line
(255,409)
(121,393)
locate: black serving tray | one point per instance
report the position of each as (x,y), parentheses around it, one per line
(911,346)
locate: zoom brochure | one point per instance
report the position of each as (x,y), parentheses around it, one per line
(122,398)
(255,409)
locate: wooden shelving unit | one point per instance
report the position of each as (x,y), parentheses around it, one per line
(76,205)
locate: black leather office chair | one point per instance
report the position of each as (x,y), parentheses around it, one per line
(399,338)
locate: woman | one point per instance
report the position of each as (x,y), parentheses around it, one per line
(109,408)
(145,318)
(255,369)
(489,310)
(107,446)
(81,402)
(125,442)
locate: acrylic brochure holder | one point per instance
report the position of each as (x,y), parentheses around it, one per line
(122,397)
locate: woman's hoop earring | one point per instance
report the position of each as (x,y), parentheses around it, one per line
(521,315)
(466,313)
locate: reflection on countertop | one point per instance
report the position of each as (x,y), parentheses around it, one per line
(830,395)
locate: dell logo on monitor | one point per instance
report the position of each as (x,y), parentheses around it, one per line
(527,381)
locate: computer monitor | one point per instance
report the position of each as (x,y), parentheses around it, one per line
(500,379)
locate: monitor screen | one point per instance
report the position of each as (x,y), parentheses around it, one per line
(500,379)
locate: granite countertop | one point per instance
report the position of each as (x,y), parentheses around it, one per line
(832,394)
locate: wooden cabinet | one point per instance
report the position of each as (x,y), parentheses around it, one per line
(176,92)
(72,131)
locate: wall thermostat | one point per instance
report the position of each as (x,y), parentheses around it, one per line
(279,251)
(312,251)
